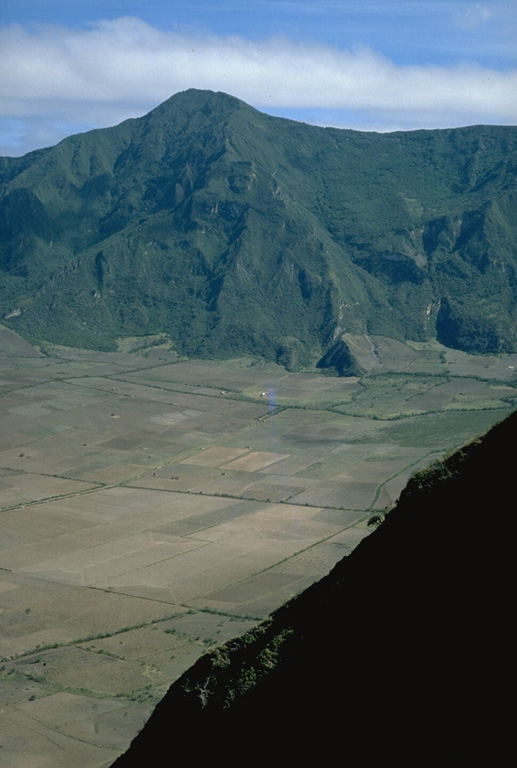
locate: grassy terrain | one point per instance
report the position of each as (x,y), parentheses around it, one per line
(153,507)
(229,232)
(397,614)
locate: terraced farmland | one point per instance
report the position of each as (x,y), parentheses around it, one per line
(153,507)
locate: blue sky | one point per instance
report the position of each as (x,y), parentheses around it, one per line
(70,65)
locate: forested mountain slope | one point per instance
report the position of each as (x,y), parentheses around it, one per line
(233,232)
(402,653)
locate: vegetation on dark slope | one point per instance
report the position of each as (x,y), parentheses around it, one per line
(401,652)
(235,232)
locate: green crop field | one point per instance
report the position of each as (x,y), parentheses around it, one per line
(153,507)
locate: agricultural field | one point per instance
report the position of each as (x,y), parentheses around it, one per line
(153,507)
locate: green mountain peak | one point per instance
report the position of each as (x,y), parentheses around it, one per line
(234,232)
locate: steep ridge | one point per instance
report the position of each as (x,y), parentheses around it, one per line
(402,652)
(234,232)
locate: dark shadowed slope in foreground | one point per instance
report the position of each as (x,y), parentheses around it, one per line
(403,652)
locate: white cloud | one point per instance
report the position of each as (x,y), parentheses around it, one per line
(63,80)
(476,16)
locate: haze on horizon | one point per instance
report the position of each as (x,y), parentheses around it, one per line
(69,67)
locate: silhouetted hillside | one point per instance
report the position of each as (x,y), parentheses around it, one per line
(403,653)
(233,232)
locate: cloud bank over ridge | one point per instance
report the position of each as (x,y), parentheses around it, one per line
(57,80)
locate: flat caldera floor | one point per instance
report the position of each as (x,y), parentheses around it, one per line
(153,507)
